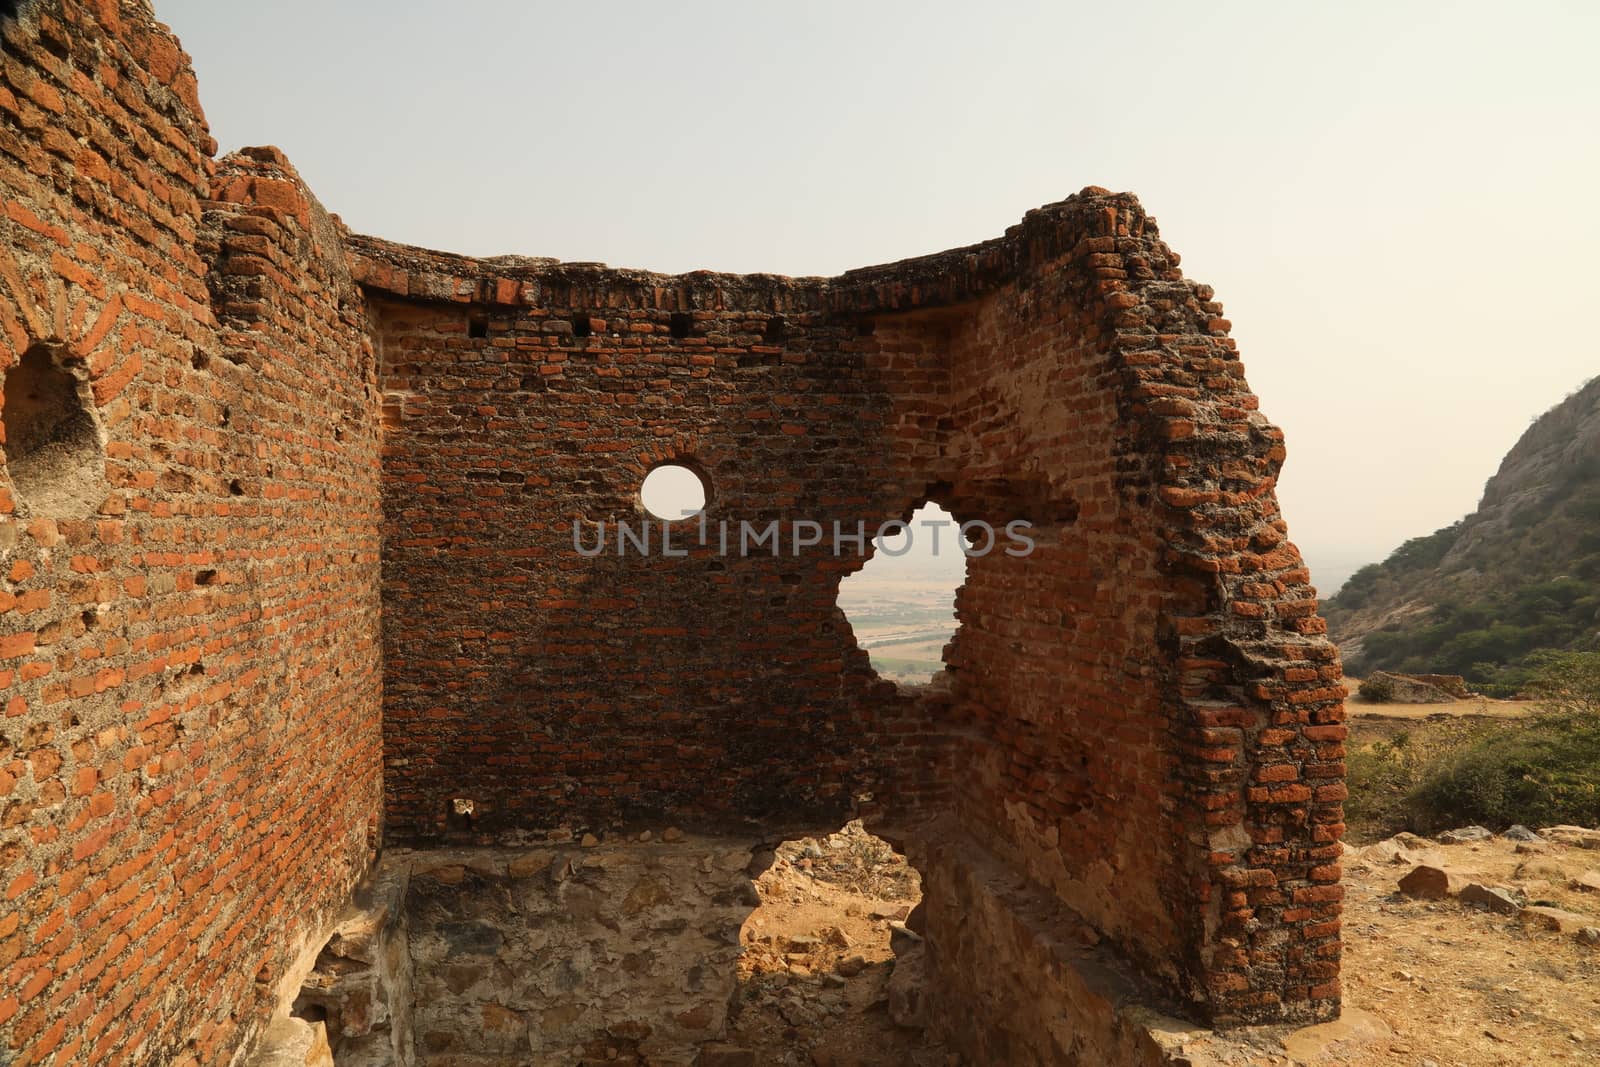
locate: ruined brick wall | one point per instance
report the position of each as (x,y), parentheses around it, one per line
(555,690)
(1151,720)
(189,753)
(1141,718)
(1139,735)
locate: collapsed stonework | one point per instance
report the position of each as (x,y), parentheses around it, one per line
(315,592)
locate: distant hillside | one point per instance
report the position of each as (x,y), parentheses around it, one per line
(1520,574)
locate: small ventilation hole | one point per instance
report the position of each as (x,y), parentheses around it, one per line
(477,326)
(866,327)
(582,326)
(205,577)
(235,488)
(681,321)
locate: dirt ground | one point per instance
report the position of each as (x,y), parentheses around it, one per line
(1457,986)
(1464,987)
(1375,722)
(815,971)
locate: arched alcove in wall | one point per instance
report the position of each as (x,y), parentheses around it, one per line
(53,451)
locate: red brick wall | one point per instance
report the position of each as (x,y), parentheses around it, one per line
(1142,717)
(1151,718)
(553,690)
(189,752)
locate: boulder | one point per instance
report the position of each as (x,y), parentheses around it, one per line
(1521,833)
(1587,882)
(851,966)
(1580,836)
(1417,688)
(1401,848)
(902,939)
(1429,881)
(1557,919)
(1465,835)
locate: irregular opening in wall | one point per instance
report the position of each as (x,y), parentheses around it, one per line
(52,441)
(901,604)
(830,966)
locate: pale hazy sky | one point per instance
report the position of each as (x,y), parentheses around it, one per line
(1399,203)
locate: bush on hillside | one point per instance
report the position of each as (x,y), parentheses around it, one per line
(1377,690)
(1543,771)
(1567,681)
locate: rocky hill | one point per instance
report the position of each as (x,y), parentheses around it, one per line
(1521,573)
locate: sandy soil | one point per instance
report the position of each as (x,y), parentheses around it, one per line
(1456,985)
(815,970)
(1464,987)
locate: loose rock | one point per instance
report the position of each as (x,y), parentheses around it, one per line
(852,966)
(1429,882)
(1465,835)
(1557,919)
(1491,897)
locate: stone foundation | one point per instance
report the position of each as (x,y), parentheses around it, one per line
(626,953)
(558,955)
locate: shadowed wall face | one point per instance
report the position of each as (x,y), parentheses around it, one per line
(551,687)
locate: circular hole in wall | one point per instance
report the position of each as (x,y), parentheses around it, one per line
(673,491)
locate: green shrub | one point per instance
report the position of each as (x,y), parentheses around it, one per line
(1379,779)
(1377,690)
(1566,681)
(1540,772)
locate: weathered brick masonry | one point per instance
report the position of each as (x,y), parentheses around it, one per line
(1140,731)
(189,755)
